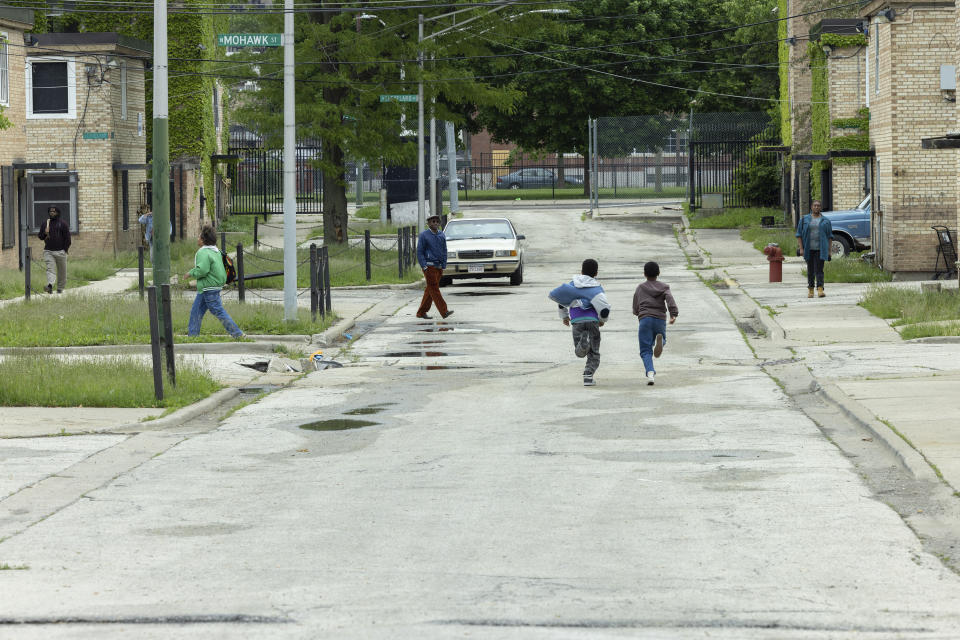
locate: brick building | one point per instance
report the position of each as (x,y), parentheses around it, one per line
(908,46)
(77,105)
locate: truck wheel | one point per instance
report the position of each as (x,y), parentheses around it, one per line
(839,247)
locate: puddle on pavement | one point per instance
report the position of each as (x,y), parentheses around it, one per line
(414,354)
(445,329)
(436,367)
(257,390)
(482,293)
(337,424)
(364,411)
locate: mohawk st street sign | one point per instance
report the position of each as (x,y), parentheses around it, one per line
(249,39)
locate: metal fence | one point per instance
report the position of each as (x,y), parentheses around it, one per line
(675,158)
(257,177)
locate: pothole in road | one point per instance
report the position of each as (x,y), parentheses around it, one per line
(337,424)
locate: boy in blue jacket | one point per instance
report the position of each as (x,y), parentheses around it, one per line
(584,307)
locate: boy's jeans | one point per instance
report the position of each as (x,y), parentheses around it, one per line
(591,329)
(210,301)
(649,328)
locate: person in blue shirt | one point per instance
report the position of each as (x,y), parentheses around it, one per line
(814,235)
(583,305)
(432,256)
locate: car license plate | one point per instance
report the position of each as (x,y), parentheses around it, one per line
(474,268)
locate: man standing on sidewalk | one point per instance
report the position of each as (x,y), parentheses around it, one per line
(814,235)
(432,256)
(56,242)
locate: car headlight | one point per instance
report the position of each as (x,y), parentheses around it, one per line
(451,255)
(504,253)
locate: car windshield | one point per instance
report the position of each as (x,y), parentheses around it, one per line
(479,230)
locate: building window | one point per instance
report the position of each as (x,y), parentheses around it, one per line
(53,190)
(4,71)
(51,88)
(123,90)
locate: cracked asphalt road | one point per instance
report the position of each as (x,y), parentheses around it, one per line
(495,496)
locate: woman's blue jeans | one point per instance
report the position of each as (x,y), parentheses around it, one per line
(210,301)
(646,334)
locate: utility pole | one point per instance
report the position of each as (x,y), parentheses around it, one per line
(161,153)
(289,172)
(421,215)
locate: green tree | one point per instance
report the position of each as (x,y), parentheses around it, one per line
(345,61)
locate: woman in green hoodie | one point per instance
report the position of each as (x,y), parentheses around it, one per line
(211,276)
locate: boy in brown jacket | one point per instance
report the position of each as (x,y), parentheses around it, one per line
(651,301)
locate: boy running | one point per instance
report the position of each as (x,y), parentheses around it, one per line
(651,301)
(583,305)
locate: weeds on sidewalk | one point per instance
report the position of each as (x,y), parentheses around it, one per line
(928,313)
(105,381)
(89,320)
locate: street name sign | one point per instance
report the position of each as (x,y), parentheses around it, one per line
(249,39)
(398,97)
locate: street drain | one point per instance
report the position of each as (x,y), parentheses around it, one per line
(363,411)
(337,424)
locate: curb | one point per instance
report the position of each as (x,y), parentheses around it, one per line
(334,333)
(144,349)
(185,414)
(911,457)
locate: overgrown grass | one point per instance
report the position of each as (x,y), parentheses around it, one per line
(852,268)
(44,322)
(346,268)
(760,237)
(368,213)
(80,272)
(911,306)
(735,218)
(54,381)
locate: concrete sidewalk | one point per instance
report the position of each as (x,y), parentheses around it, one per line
(904,391)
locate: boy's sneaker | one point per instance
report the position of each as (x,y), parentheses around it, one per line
(658,345)
(588,381)
(650,377)
(583,346)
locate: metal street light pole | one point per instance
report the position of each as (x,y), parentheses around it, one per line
(421,215)
(289,171)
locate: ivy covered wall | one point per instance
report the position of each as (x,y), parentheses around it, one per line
(824,140)
(783,58)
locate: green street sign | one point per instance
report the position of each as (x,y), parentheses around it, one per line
(398,97)
(249,39)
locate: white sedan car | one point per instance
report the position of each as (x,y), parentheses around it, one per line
(483,248)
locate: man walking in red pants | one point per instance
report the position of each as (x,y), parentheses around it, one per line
(432,256)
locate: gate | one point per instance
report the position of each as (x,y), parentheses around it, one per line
(257,177)
(725,154)
(641,158)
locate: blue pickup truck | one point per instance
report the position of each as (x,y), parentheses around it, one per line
(851,229)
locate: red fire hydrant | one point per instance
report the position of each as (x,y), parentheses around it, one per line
(775,258)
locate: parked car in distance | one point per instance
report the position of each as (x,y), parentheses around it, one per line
(851,229)
(483,248)
(532,179)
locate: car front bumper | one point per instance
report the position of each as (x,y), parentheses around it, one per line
(491,268)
